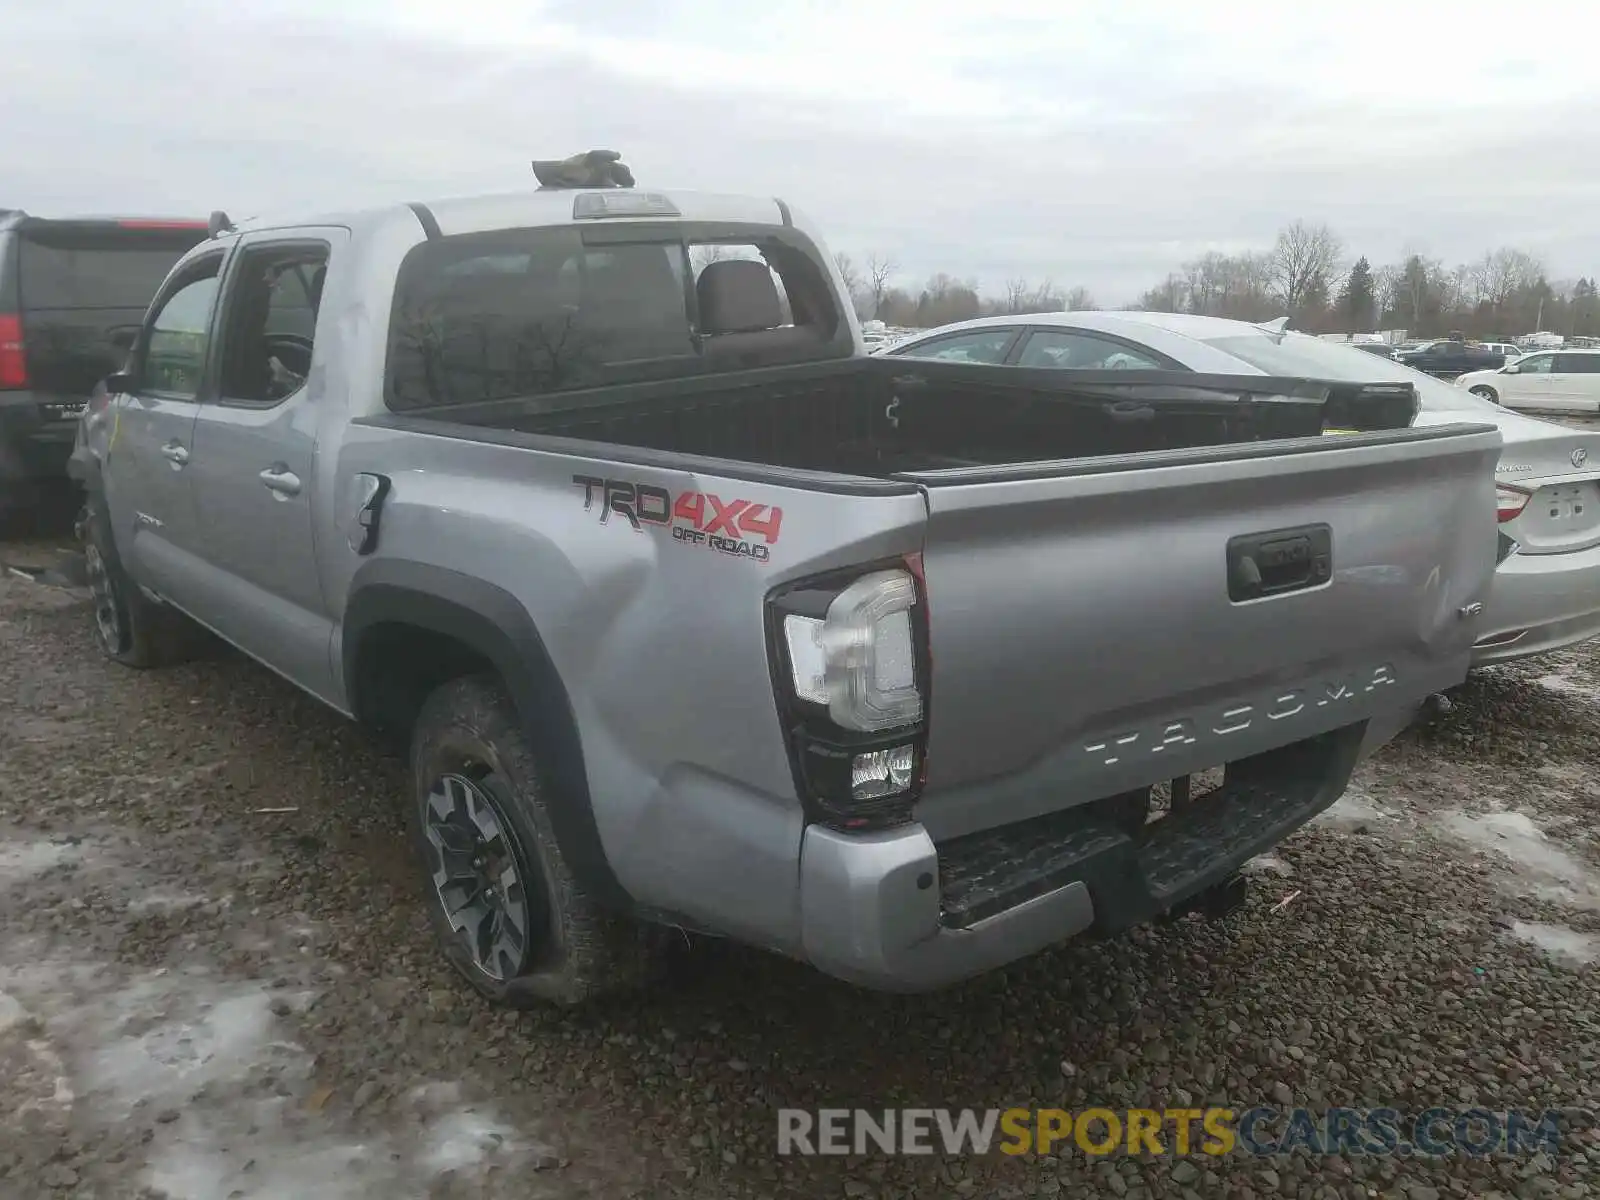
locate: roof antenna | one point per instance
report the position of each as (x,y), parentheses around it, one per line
(218,224)
(1277,326)
(591,169)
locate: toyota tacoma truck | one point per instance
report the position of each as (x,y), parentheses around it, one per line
(694,616)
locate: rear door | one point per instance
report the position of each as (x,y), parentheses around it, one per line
(1093,628)
(1530,385)
(146,469)
(254,461)
(1573,382)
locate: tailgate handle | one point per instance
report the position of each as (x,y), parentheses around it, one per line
(1279,561)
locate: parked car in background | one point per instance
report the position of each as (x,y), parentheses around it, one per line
(1380,349)
(704,618)
(1547,585)
(72,294)
(1447,358)
(1510,349)
(1545,380)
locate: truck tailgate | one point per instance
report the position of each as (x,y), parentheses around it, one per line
(1102,625)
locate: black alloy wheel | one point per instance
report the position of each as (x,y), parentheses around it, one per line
(488,892)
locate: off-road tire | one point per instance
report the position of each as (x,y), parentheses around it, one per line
(575,950)
(129,627)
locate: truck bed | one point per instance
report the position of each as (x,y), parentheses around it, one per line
(883,417)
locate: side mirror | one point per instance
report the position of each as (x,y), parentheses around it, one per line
(1510,369)
(118,382)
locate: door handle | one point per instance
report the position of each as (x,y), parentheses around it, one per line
(1279,561)
(281,481)
(175,453)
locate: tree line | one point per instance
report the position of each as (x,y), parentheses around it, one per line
(944,298)
(1306,274)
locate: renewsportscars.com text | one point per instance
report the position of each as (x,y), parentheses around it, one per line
(1177,1131)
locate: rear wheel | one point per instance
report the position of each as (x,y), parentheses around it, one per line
(508,912)
(1486,393)
(130,628)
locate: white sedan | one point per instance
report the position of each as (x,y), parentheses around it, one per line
(1547,588)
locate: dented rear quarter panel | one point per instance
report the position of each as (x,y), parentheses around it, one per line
(659,640)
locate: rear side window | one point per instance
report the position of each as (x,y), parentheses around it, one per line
(1074,350)
(532,313)
(62,268)
(1578,364)
(981,346)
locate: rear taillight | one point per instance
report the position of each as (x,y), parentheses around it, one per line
(850,665)
(1510,501)
(13,362)
(139,223)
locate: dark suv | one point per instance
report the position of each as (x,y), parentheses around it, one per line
(72,295)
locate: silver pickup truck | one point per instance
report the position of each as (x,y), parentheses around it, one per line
(693,615)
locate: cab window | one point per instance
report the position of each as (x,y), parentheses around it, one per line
(172,360)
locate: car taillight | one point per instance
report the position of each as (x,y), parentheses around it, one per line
(13,362)
(1510,501)
(850,663)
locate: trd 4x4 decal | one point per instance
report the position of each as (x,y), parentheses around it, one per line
(695,518)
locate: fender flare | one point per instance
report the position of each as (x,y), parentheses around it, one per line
(493,623)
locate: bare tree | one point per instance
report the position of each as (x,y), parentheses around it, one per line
(1168,296)
(1078,299)
(850,274)
(1501,274)
(1302,261)
(880,269)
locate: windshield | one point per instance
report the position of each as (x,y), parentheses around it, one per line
(1309,357)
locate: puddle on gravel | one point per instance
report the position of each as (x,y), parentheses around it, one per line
(1566,946)
(1542,869)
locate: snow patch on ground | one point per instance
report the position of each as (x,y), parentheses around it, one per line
(21,861)
(1353,810)
(160,903)
(1562,944)
(1267,864)
(463,1139)
(1542,869)
(1567,686)
(210,1065)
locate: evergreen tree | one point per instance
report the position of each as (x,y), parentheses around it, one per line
(1358,299)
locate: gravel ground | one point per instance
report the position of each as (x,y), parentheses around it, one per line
(202,998)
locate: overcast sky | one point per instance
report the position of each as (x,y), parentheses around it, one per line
(1096,144)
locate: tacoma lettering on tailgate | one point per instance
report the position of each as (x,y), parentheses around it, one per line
(1224,722)
(696,518)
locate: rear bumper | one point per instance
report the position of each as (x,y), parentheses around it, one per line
(36,435)
(1540,602)
(896,911)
